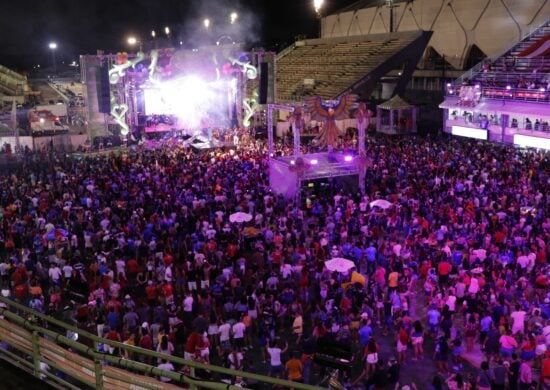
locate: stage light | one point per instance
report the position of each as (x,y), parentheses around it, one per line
(233,17)
(52,45)
(153,33)
(42,120)
(478,86)
(348,158)
(167,30)
(448,85)
(314,162)
(508,87)
(292,162)
(206,23)
(181,43)
(542,90)
(132,40)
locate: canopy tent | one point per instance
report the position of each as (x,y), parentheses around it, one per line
(396,116)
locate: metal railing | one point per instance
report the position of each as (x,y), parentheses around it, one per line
(478,68)
(535,95)
(35,341)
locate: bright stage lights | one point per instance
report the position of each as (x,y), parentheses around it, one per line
(233,17)
(132,40)
(52,45)
(206,23)
(348,158)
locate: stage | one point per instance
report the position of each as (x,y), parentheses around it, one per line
(286,173)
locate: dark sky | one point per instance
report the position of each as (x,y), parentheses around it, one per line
(83,26)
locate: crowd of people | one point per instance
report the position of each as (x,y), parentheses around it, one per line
(138,247)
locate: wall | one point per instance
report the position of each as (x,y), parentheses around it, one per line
(492,25)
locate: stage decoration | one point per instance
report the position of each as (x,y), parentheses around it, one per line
(153,75)
(118,112)
(296,119)
(119,70)
(121,58)
(250,107)
(250,70)
(299,167)
(329,112)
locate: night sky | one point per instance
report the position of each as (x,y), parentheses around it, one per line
(83,26)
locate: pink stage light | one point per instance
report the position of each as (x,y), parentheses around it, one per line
(314,162)
(348,158)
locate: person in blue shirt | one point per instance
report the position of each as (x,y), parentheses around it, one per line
(365,333)
(433,321)
(370,254)
(485,325)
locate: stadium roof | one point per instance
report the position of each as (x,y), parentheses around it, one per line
(366,4)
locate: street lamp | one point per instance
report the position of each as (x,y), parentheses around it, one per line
(233,17)
(133,40)
(53,47)
(167,30)
(318,4)
(206,23)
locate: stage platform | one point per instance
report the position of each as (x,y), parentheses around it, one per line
(286,173)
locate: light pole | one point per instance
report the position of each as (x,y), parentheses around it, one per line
(318,6)
(53,47)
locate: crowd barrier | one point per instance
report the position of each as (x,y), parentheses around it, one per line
(31,341)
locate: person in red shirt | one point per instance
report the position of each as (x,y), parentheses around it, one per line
(151,292)
(444,269)
(192,346)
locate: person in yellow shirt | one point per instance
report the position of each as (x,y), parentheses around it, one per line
(294,368)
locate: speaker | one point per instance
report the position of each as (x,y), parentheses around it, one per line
(103,89)
(264,79)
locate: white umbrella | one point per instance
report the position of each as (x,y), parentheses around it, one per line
(240,217)
(339,264)
(382,203)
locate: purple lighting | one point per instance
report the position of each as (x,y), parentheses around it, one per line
(508,87)
(542,90)
(477,86)
(348,158)
(448,85)
(314,162)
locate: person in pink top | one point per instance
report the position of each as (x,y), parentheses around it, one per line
(508,344)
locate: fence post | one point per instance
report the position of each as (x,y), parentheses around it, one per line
(98,369)
(192,386)
(36,353)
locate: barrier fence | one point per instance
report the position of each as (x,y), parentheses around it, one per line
(34,341)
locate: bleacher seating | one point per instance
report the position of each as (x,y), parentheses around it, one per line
(334,64)
(517,74)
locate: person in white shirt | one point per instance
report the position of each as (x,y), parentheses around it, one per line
(166,366)
(54,273)
(451,302)
(238,330)
(276,366)
(67,271)
(188,303)
(225,335)
(518,318)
